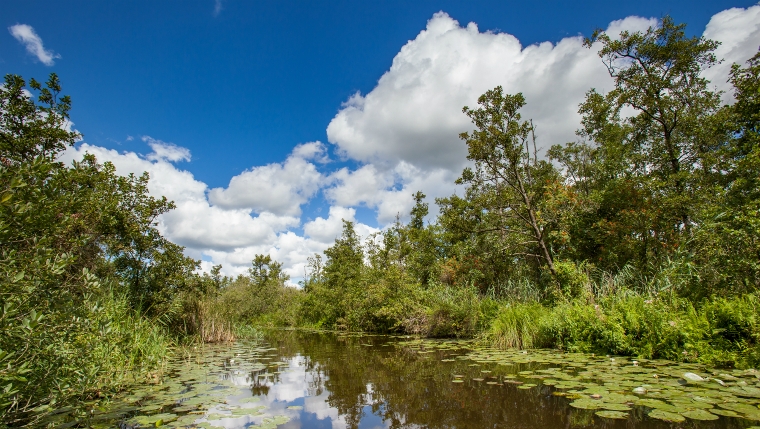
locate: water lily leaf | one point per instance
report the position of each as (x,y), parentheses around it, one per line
(699,415)
(618,415)
(738,407)
(586,404)
(726,413)
(656,404)
(666,416)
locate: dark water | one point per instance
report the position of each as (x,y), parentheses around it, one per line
(298,379)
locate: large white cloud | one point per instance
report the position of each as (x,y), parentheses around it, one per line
(279,188)
(415,114)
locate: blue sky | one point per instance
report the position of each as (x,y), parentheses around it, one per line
(239,84)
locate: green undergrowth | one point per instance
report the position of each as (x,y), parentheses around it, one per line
(716,331)
(59,363)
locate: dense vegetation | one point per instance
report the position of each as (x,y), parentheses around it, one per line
(642,237)
(91,294)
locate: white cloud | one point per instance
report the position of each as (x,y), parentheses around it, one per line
(739,31)
(163,151)
(389,192)
(229,236)
(218,6)
(278,188)
(28,37)
(325,231)
(414,114)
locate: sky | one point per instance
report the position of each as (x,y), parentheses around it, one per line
(267,122)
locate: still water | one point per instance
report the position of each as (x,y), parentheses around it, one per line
(310,380)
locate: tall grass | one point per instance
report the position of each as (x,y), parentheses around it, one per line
(518,326)
(88,357)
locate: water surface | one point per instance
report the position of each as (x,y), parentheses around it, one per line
(310,380)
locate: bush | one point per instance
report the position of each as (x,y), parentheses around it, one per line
(445,311)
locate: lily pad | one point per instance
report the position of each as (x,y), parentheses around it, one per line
(699,415)
(587,404)
(667,416)
(617,415)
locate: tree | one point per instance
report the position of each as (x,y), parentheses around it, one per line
(508,184)
(728,242)
(668,143)
(335,289)
(29,130)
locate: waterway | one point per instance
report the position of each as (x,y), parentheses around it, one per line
(313,380)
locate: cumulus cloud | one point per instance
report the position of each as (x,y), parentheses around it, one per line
(414,114)
(326,230)
(390,192)
(279,188)
(738,30)
(228,236)
(163,151)
(28,37)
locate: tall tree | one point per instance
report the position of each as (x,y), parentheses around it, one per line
(508,183)
(666,142)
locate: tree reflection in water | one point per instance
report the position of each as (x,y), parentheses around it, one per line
(406,388)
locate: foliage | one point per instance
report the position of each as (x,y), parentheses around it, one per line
(88,286)
(508,187)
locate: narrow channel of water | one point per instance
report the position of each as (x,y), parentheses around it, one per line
(309,380)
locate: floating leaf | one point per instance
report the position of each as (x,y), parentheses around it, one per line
(666,416)
(699,415)
(618,415)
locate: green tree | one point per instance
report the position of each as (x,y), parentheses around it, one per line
(656,162)
(507,190)
(728,242)
(330,301)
